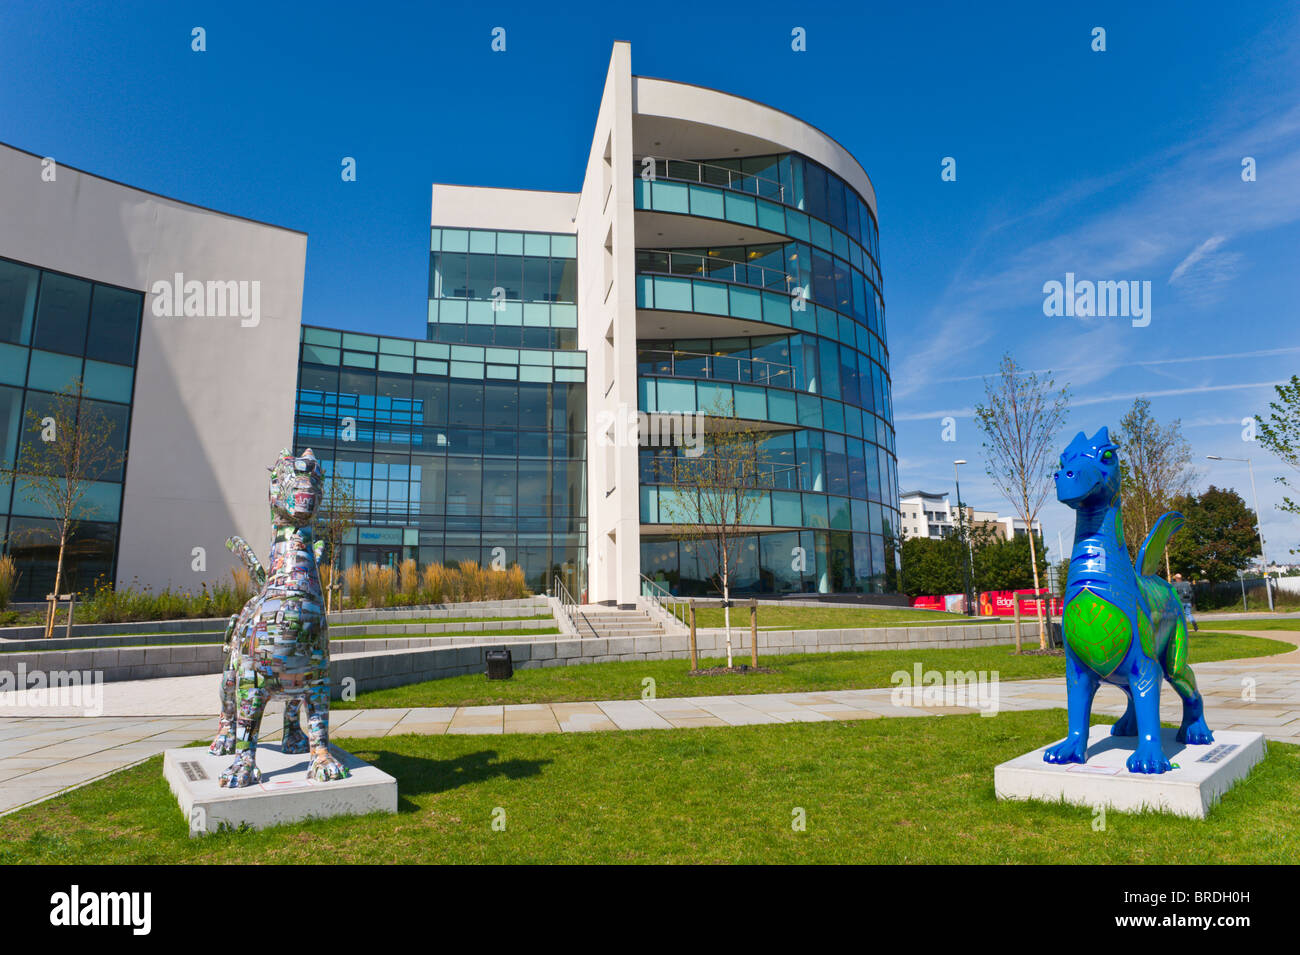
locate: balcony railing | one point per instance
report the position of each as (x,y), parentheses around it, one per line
(685,364)
(707,174)
(694,265)
(719,473)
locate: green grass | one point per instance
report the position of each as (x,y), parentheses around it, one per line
(900,790)
(404,621)
(795,672)
(515,632)
(1283,624)
(834,618)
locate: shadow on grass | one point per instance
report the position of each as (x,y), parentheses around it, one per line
(422,776)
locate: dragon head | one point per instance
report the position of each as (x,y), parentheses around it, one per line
(1088,471)
(295,489)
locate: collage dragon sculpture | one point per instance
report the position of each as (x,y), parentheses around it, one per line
(277,646)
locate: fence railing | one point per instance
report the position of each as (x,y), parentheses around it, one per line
(708,174)
(719,473)
(572,609)
(685,364)
(676,607)
(716,268)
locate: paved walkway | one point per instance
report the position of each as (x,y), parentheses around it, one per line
(44,752)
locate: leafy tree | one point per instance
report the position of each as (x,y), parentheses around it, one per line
(931,567)
(1280,435)
(64,452)
(1062,574)
(1021,416)
(716,495)
(1219,538)
(336,516)
(1156,463)
(1002,564)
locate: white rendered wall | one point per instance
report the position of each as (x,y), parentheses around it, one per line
(508,210)
(214,401)
(606,213)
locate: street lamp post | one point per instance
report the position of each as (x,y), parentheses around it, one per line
(968,558)
(1259,522)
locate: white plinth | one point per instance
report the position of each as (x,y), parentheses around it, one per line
(1202,776)
(284,794)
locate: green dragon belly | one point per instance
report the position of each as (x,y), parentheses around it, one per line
(1099,632)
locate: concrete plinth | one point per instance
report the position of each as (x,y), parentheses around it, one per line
(284,794)
(1202,776)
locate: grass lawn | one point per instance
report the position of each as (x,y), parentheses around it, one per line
(1286,623)
(513,632)
(834,618)
(404,621)
(883,790)
(803,671)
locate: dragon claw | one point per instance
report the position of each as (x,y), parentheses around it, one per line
(1072,749)
(1148,758)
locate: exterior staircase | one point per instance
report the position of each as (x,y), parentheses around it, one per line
(593,620)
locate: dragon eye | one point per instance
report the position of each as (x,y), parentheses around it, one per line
(1108,456)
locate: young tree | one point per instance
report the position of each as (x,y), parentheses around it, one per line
(1219,537)
(64,452)
(715,494)
(1280,435)
(1020,417)
(1156,463)
(336,516)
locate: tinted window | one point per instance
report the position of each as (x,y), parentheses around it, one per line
(61,313)
(114,322)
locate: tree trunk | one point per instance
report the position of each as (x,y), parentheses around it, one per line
(1038,603)
(726,602)
(58,581)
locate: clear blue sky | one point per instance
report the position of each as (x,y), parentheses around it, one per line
(1117,165)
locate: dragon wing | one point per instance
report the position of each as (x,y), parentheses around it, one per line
(1153,547)
(239,547)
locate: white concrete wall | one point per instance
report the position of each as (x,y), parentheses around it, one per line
(214,400)
(606,209)
(509,210)
(698,104)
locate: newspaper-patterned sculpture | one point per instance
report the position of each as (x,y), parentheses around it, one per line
(278,645)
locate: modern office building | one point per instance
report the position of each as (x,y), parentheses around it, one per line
(929,514)
(139,296)
(721,259)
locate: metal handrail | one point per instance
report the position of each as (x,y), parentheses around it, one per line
(672,471)
(664,599)
(708,174)
(714,268)
(761,371)
(570,606)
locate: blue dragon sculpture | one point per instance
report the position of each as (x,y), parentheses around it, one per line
(1123,625)
(278,644)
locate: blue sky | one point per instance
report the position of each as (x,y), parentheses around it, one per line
(1122,165)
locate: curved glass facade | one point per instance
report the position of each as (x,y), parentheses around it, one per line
(818,383)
